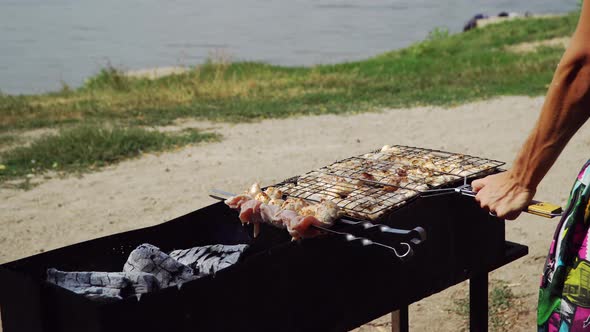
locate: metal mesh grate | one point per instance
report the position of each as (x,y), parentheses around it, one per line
(356,198)
(369,185)
(439,161)
(390,173)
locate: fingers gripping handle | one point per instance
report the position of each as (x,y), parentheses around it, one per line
(538,208)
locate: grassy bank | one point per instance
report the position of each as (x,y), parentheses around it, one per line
(90,146)
(439,71)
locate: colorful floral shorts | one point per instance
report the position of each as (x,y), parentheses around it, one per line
(564,295)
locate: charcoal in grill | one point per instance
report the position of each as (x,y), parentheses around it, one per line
(104,286)
(271,289)
(209,259)
(150,259)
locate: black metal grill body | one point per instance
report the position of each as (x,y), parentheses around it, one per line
(322,284)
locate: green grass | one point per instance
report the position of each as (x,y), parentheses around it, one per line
(89,146)
(445,69)
(8,140)
(503,307)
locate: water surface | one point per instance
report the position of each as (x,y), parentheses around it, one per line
(45,42)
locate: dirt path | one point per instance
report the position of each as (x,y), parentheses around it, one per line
(156,188)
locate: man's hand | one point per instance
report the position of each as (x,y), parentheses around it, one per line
(502,195)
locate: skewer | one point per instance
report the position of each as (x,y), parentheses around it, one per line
(223,195)
(367,242)
(416,235)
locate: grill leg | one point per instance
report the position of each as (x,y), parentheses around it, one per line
(399,320)
(478,302)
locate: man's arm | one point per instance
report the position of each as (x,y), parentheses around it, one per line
(566,108)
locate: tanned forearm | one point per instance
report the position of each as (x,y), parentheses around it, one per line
(566,108)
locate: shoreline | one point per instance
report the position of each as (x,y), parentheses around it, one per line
(166,69)
(115,106)
(326,113)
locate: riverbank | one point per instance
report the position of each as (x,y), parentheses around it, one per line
(249,104)
(443,70)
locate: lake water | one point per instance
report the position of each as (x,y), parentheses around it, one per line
(45,42)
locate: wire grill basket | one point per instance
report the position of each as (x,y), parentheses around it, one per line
(439,161)
(391,174)
(371,184)
(357,198)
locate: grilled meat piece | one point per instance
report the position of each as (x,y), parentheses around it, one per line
(284,217)
(367,176)
(254,190)
(276,201)
(327,212)
(250,212)
(263,197)
(400,171)
(394,181)
(237,201)
(270,214)
(390,149)
(390,189)
(300,227)
(273,193)
(294,204)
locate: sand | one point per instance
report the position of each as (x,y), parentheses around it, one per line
(500,19)
(156,72)
(528,47)
(158,187)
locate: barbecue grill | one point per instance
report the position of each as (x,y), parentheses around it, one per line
(326,283)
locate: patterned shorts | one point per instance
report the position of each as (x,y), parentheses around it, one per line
(564,294)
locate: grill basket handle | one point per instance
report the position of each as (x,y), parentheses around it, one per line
(538,208)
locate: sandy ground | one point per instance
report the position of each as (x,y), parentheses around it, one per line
(159,187)
(559,42)
(498,19)
(157,72)
(25,138)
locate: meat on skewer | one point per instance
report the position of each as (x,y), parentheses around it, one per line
(326,212)
(250,210)
(294,204)
(295,214)
(236,202)
(301,227)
